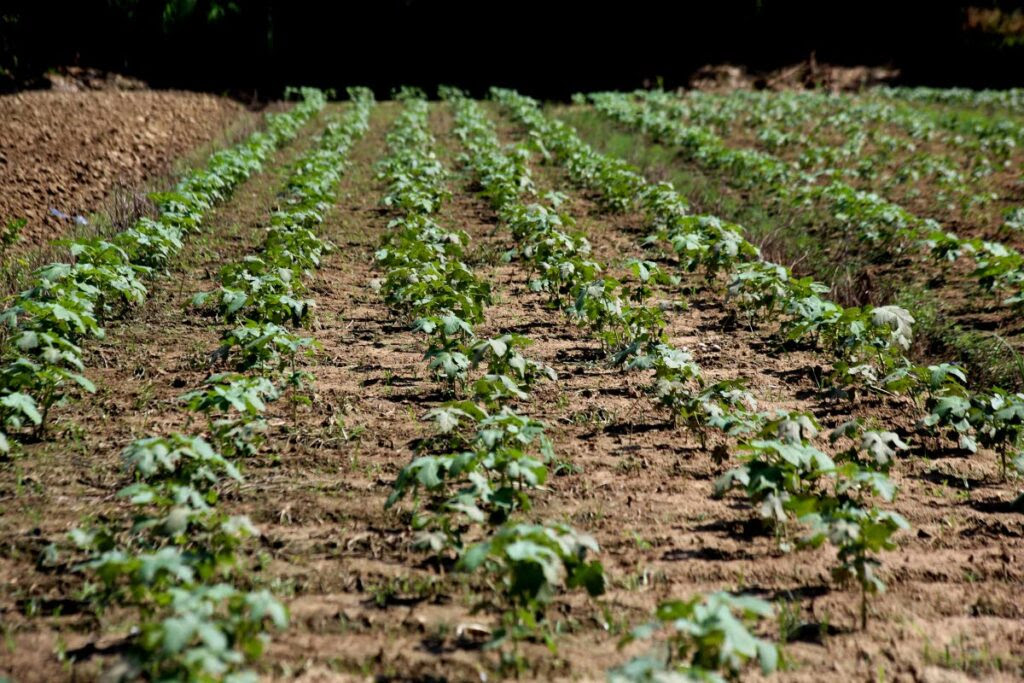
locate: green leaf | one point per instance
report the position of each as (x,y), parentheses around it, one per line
(474,556)
(590,576)
(24,404)
(178,633)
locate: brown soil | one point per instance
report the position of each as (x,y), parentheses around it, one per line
(363,604)
(68,150)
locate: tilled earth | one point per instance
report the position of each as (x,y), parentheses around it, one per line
(365,606)
(66,151)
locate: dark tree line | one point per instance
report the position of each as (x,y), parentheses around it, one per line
(546,48)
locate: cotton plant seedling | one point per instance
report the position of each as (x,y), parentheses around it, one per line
(561,277)
(435,288)
(705,243)
(648,275)
(447,353)
(598,306)
(531,563)
(1013,220)
(710,406)
(480,499)
(417,238)
(187,629)
(545,233)
(793,483)
(558,261)
(510,450)
(928,383)
(114,287)
(503,356)
(849,518)
(990,419)
(178,459)
(662,205)
(263,346)
(185,518)
(225,392)
(37,378)
(858,533)
(760,289)
(869,343)
(998,422)
(876,448)
(641,338)
(782,479)
(495,391)
(68,314)
(268,297)
(234,405)
(210,632)
(705,638)
(177,479)
(16,411)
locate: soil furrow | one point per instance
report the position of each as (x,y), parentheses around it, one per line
(654,509)
(141,367)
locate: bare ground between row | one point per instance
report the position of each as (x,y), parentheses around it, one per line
(70,477)
(363,604)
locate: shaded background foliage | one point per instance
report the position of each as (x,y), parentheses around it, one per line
(549,49)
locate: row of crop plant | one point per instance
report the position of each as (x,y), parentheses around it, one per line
(989,417)
(703,637)
(42,331)
(472,482)
(178,567)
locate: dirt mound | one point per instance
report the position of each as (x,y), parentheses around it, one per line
(78,78)
(62,153)
(801,76)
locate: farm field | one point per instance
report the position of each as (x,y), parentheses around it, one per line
(64,153)
(648,387)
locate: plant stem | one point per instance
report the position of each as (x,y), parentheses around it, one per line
(863,606)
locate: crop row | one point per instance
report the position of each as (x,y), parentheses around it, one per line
(707,632)
(786,476)
(1012,98)
(67,302)
(179,564)
(889,147)
(998,268)
(970,133)
(472,480)
(990,417)
(867,344)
